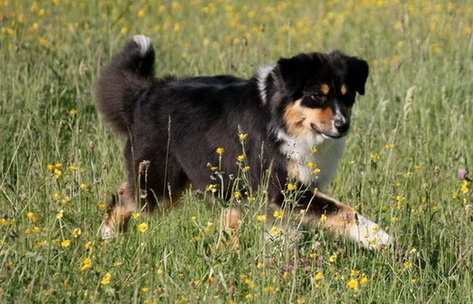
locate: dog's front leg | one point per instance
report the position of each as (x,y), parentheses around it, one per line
(341,219)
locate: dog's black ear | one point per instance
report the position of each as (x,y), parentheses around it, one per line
(358,73)
(294,73)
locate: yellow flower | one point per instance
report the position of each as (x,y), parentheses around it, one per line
(73,112)
(220,151)
(354,272)
(291,187)
(407,265)
(389,146)
(32,217)
(60,214)
(261,218)
(364,280)
(375,156)
(106,279)
(332,258)
(142,227)
(88,245)
(65,243)
(319,276)
(84,187)
(278,214)
(353,284)
(117,264)
(76,232)
(241,158)
(323,218)
(400,198)
(243,136)
(86,264)
(209,227)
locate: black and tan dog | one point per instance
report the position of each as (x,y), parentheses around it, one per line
(293,118)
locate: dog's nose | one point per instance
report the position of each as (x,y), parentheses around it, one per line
(342,124)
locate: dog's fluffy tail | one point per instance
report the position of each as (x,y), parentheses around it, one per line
(129,74)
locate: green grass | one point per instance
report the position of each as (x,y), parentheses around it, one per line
(419,100)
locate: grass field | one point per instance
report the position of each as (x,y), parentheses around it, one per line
(59,164)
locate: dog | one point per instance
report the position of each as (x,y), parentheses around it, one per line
(287,124)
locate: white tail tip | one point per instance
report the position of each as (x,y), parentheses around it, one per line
(144,42)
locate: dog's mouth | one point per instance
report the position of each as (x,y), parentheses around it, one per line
(328,134)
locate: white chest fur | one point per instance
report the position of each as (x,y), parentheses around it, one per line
(313,159)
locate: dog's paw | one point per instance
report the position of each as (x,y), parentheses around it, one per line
(107,233)
(369,234)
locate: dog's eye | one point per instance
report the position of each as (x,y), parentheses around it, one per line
(317,96)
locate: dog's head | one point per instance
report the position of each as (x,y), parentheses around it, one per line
(314,93)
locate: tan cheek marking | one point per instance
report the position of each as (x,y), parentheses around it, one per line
(322,118)
(343,90)
(294,118)
(325,88)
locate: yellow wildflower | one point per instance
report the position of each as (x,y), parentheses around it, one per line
(32,217)
(86,264)
(142,227)
(261,218)
(106,279)
(278,214)
(319,276)
(353,284)
(220,151)
(76,232)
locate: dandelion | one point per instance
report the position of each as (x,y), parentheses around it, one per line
(279,214)
(209,227)
(332,258)
(106,279)
(143,227)
(319,276)
(60,214)
(241,158)
(243,136)
(86,264)
(352,284)
(323,218)
(220,151)
(76,232)
(354,272)
(262,218)
(400,198)
(65,243)
(364,280)
(32,217)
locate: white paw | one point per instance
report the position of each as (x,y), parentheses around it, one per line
(108,233)
(369,234)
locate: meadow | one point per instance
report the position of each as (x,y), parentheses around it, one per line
(412,132)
